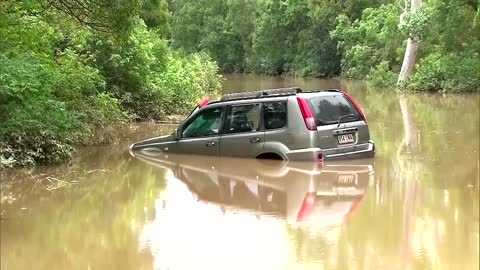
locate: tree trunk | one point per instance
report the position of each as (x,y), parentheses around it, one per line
(412,46)
(408,60)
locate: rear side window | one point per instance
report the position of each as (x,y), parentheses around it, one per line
(275,115)
(243,118)
(328,109)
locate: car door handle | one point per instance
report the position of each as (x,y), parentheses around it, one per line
(210,144)
(255,140)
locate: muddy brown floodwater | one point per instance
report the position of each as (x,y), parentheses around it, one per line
(415,206)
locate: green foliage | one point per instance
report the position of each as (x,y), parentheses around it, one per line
(129,68)
(450,59)
(117,17)
(27,96)
(455,72)
(316,54)
(149,79)
(381,76)
(269,40)
(155,14)
(264,36)
(220,27)
(448,56)
(366,42)
(416,24)
(292,37)
(187,80)
(34,125)
(68,79)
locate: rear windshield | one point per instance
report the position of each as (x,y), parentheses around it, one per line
(328,109)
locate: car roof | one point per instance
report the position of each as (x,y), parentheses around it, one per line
(271,95)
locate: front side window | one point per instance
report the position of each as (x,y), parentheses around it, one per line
(244,118)
(275,115)
(206,123)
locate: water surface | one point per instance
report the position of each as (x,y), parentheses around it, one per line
(415,206)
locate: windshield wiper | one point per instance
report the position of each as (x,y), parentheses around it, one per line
(344,116)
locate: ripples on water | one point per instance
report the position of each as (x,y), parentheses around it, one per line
(415,206)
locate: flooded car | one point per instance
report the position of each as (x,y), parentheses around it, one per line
(284,123)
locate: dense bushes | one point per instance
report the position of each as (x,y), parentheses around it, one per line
(290,38)
(448,60)
(270,37)
(367,42)
(265,36)
(149,79)
(47,107)
(355,39)
(454,72)
(32,121)
(63,84)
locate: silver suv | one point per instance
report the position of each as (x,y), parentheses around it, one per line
(285,123)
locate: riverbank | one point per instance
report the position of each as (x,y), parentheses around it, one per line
(20,185)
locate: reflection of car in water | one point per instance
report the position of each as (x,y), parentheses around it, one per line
(225,213)
(302,193)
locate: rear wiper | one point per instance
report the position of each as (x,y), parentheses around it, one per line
(344,116)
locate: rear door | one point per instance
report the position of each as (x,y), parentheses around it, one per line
(329,109)
(201,134)
(242,136)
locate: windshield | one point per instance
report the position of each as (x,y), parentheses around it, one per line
(328,109)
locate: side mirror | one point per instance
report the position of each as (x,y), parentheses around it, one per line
(176,134)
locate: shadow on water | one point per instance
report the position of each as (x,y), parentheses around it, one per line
(415,206)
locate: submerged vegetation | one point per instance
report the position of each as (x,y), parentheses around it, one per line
(75,72)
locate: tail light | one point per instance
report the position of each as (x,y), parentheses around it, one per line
(307,114)
(307,206)
(362,115)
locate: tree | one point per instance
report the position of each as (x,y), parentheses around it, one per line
(156,16)
(412,44)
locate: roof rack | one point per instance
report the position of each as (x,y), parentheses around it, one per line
(263,93)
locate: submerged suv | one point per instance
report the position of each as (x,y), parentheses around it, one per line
(285,123)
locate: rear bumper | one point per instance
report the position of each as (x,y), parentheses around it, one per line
(358,151)
(366,150)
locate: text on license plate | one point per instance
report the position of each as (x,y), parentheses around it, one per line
(346,179)
(346,138)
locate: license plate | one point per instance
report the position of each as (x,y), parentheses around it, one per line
(346,138)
